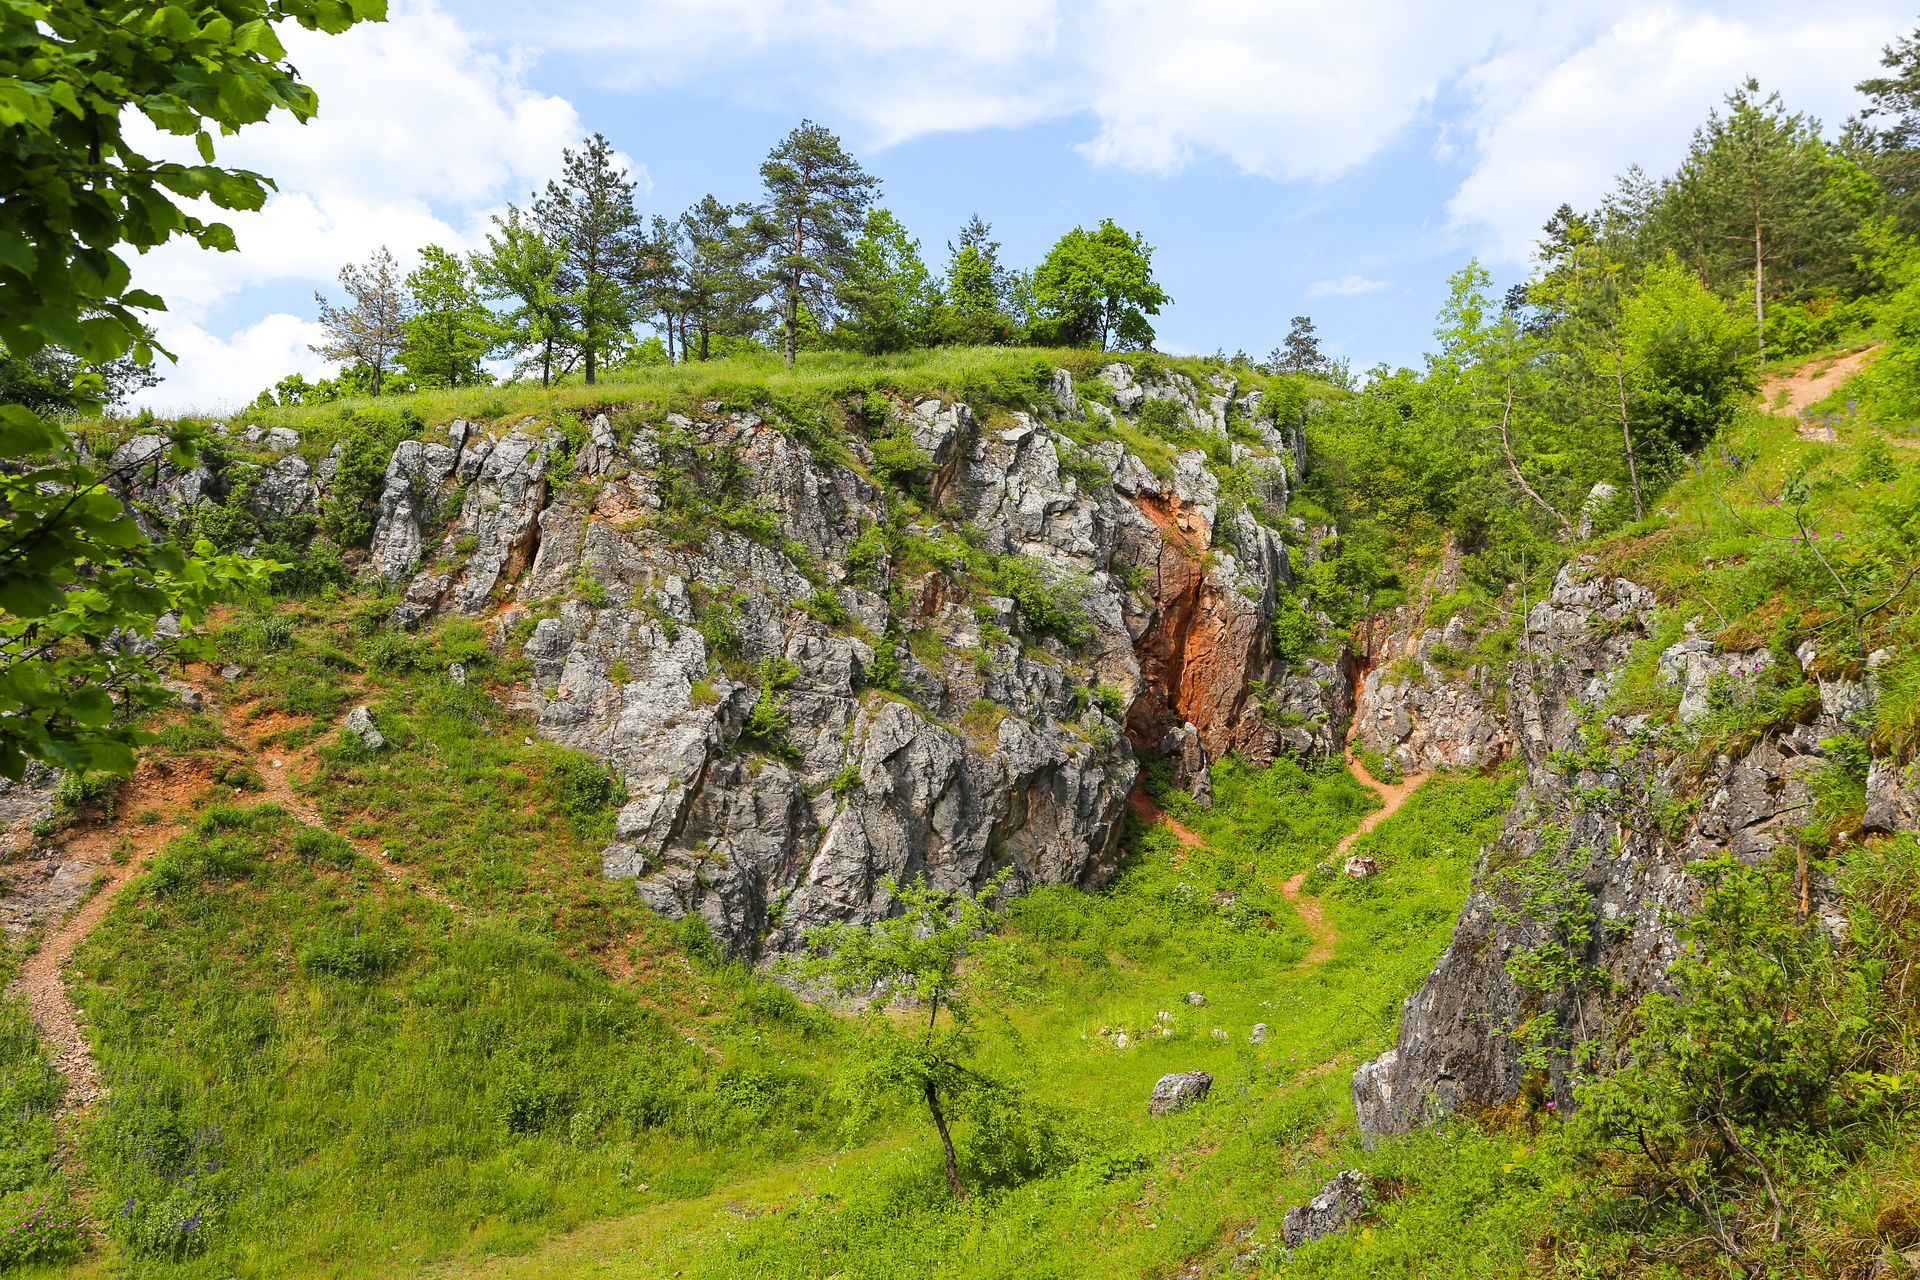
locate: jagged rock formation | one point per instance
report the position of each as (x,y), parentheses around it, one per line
(1622,823)
(808,692)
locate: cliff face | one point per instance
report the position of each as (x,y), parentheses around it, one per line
(1617,825)
(806,683)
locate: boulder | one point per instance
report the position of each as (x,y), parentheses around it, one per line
(1337,1207)
(360,724)
(1178,1091)
(1360,867)
(1197,1000)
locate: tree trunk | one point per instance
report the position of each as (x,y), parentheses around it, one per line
(670,359)
(591,365)
(946,1140)
(1513,465)
(546,362)
(793,296)
(1759,295)
(703,340)
(1626,432)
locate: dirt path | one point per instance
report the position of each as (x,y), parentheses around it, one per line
(276,771)
(1808,385)
(41,983)
(1320,929)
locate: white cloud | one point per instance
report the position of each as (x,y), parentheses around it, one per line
(1346,287)
(221,374)
(422,132)
(1288,90)
(1559,130)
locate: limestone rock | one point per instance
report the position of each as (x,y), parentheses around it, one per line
(1340,1204)
(1178,1091)
(360,724)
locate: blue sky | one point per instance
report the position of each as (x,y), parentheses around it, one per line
(1337,161)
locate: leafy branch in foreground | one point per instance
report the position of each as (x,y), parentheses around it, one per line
(83,592)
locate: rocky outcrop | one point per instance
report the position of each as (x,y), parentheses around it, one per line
(1619,823)
(809,695)
(1419,699)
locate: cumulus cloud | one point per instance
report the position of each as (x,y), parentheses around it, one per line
(422,132)
(1346,287)
(1559,129)
(218,374)
(1286,90)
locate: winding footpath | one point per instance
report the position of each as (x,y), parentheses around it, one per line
(42,984)
(1324,936)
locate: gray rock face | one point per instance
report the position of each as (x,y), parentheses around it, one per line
(1178,1091)
(1419,713)
(658,626)
(1340,1204)
(1601,828)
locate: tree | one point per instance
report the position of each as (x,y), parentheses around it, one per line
(450,330)
(1097,289)
(816,197)
(659,281)
(54,380)
(370,330)
(589,215)
(916,955)
(1885,137)
(719,288)
(1301,351)
(520,264)
(1760,190)
(889,297)
(977,309)
(1760,1070)
(79,579)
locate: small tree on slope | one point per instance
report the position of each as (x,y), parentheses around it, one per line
(917,955)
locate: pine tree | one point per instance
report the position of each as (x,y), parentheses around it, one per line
(977,288)
(589,214)
(816,196)
(1758,199)
(659,281)
(372,328)
(450,331)
(721,288)
(1300,353)
(522,265)
(1885,137)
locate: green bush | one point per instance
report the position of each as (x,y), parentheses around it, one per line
(39,1226)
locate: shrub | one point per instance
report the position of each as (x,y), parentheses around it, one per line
(1051,603)
(587,788)
(38,1226)
(77,793)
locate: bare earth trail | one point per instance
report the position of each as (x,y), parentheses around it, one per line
(41,983)
(1811,383)
(1312,915)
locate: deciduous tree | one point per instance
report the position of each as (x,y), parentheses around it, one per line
(521,265)
(888,297)
(1096,288)
(82,587)
(450,330)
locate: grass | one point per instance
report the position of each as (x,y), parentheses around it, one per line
(315,1071)
(1138,1197)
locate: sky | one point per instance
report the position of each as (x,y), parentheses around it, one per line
(1335,160)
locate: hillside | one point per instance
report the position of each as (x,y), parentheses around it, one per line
(660,677)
